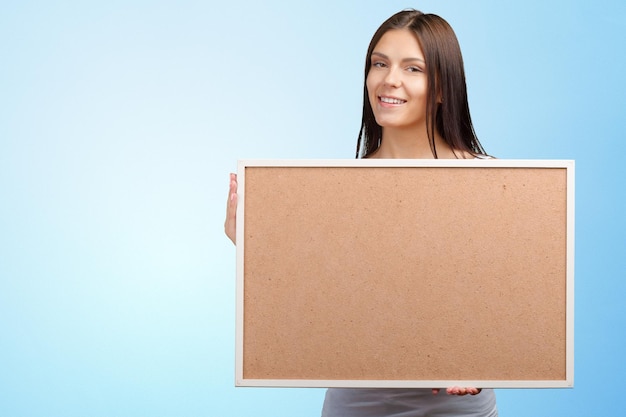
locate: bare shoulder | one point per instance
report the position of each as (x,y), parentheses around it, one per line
(460,154)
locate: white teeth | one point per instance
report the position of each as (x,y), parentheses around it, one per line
(392,100)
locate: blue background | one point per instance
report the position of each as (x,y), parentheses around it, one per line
(119,124)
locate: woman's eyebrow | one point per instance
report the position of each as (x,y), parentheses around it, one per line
(383,56)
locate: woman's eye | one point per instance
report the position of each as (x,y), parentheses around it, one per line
(414,69)
(378,64)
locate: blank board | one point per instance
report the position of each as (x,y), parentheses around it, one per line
(405,273)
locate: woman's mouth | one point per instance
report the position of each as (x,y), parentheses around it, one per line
(391,100)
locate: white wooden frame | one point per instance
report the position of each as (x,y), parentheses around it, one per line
(567,382)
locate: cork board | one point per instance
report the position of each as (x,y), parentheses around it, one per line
(405,273)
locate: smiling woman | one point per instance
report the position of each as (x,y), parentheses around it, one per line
(415,106)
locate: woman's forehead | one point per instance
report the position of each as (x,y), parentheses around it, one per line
(399,43)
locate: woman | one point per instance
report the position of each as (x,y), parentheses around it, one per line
(415,106)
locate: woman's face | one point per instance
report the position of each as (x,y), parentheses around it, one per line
(397,83)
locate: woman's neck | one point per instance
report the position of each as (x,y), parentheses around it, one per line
(408,144)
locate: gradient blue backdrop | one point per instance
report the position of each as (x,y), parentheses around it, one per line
(119,124)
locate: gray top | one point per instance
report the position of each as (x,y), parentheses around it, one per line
(406,402)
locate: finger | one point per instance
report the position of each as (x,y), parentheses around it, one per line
(455,390)
(232,188)
(230,223)
(435,391)
(463,390)
(232,196)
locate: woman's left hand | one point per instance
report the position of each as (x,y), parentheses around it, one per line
(459,390)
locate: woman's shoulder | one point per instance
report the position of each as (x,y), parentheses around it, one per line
(471,155)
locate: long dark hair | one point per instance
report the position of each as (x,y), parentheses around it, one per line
(447,108)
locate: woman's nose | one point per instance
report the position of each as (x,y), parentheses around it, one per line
(392,78)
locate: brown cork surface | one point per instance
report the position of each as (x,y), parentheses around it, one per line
(404,273)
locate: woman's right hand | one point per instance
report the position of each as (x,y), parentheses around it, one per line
(230,224)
